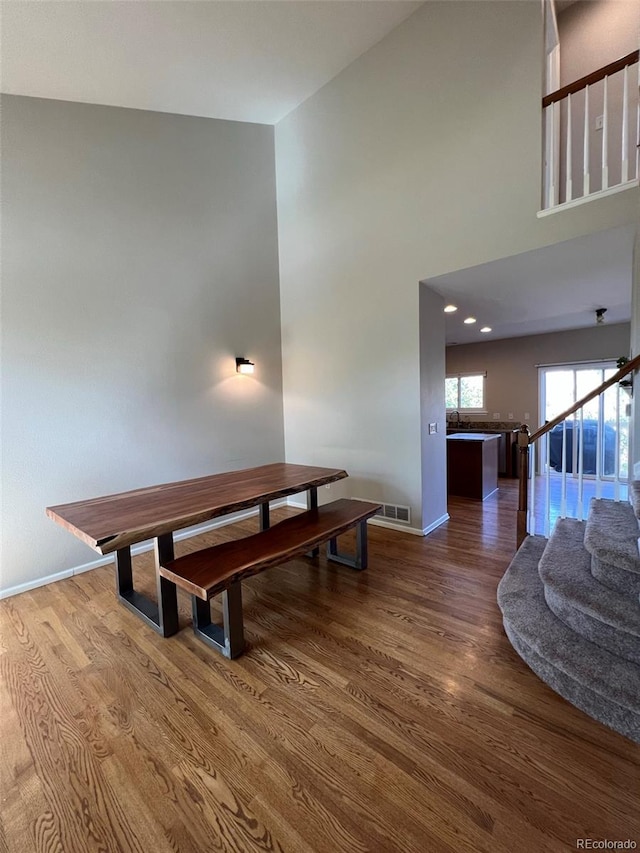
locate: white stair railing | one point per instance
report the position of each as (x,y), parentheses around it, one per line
(584,107)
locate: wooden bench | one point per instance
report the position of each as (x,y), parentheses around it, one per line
(222,568)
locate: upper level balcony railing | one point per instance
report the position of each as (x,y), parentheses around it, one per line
(591,135)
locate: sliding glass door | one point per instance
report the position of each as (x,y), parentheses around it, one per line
(601,428)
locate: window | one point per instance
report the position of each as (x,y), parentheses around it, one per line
(464,392)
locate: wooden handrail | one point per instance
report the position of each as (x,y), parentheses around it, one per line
(634,364)
(525,440)
(590,79)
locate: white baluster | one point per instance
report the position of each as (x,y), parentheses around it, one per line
(547,490)
(616,481)
(568,157)
(624,174)
(551,155)
(599,451)
(605,134)
(580,444)
(638,129)
(531,526)
(563,498)
(585,154)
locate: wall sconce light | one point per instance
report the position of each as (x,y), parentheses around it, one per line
(243,365)
(600,312)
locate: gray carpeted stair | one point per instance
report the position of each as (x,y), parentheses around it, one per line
(634,496)
(611,537)
(597,613)
(580,635)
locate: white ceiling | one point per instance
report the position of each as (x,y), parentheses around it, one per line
(547,290)
(242,60)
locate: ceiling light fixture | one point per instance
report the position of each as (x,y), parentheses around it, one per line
(485,329)
(449,309)
(470,320)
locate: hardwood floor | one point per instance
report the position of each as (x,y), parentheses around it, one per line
(547,516)
(375,711)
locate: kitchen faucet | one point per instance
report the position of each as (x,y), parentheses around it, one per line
(457,414)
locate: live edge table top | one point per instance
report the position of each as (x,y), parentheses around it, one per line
(113,522)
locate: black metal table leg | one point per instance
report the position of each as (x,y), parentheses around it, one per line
(264,516)
(161,616)
(167,592)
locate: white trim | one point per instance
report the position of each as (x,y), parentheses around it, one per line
(384,522)
(463,411)
(443,518)
(399,528)
(187,533)
(296,504)
(25,587)
(606,362)
(577,201)
(141,548)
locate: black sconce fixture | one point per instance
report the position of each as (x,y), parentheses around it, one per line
(243,365)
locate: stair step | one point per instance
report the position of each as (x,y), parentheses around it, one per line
(589,608)
(634,496)
(612,534)
(619,580)
(598,682)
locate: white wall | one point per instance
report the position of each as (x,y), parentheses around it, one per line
(422,157)
(594,33)
(139,257)
(635,350)
(433,445)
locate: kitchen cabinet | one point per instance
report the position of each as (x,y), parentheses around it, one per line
(472,464)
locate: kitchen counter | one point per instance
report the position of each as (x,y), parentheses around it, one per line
(507,455)
(472,464)
(473,436)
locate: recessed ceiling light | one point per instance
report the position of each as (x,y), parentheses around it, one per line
(485,329)
(449,309)
(470,320)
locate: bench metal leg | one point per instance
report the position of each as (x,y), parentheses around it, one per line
(361,559)
(227,638)
(312,503)
(163,615)
(264,516)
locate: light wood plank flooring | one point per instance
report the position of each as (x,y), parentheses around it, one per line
(376,711)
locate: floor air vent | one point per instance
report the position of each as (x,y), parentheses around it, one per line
(395,513)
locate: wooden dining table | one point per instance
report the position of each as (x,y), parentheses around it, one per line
(113,523)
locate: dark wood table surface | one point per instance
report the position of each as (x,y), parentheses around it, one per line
(115,522)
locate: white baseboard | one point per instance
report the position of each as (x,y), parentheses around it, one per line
(292,502)
(442,520)
(196,531)
(136,549)
(391,525)
(25,587)
(383,522)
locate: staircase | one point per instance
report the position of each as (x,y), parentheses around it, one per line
(571,610)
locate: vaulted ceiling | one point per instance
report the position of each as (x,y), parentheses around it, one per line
(242,60)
